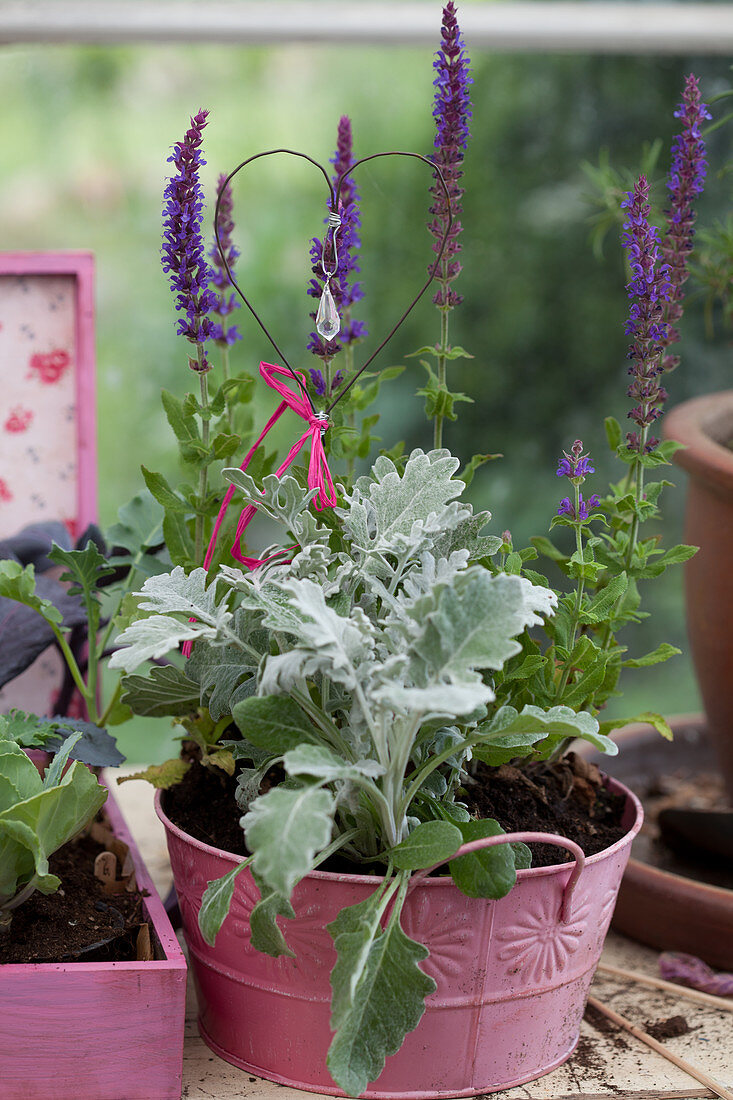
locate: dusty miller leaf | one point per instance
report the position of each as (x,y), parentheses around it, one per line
(387,1002)
(284,829)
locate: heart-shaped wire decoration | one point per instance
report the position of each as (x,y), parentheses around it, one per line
(334,223)
(319,476)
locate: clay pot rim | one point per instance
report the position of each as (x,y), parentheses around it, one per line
(690,887)
(444,880)
(691,424)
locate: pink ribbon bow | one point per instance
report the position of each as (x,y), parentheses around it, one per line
(319,475)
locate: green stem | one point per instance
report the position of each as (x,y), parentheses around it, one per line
(227,395)
(204,472)
(325,725)
(442,365)
(418,777)
(75,672)
(104,717)
(578,600)
(22,895)
(350,415)
(395,777)
(638,470)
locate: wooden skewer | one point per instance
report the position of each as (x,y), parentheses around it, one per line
(693,1071)
(670,987)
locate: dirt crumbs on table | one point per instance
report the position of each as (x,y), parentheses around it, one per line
(588,1064)
(79,923)
(568,798)
(606,1027)
(671,1028)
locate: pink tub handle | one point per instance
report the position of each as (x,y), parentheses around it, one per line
(525,838)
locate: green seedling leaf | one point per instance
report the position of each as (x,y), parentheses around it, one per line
(662,653)
(522,855)
(55,769)
(613,432)
(603,604)
(429,843)
(84,570)
(183,424)
(161,490)
(217,898)
(547,549)
(489,872)
(223,759)
(19,584)
(469,470)
(649,717)
(353,932)
(139,525)
(34,828)
(178,538)
(161,776)
(19,778)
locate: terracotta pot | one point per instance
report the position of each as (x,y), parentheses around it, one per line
(512,975)
(705,426)
(97,1030)
(661,908)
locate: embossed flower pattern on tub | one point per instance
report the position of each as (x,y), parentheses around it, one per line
(190,887)
(305,934)
(448,931)
(538,944)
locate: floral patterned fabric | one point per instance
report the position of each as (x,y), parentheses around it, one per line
(38,426)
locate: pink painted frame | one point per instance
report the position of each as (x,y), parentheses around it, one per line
(97,1031)
(80,265)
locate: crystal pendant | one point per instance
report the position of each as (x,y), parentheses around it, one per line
(328,321)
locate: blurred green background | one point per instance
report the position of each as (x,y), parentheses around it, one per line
(85,136)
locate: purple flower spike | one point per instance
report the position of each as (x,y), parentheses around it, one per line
(225,304)
(575,464)
(183,247)
(685,182)
(649,292)
(567,508)
(451,112)
(345,292)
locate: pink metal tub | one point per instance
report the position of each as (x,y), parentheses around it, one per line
(512,975)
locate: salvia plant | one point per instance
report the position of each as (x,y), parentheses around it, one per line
(386,645)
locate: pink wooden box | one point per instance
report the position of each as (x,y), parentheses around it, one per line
(97,1031)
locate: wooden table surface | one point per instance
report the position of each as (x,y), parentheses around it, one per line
(607,1064)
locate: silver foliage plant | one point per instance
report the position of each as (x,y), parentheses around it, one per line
(364,662)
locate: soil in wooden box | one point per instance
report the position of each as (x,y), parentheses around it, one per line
(83,921)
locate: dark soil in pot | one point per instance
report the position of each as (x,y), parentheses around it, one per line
(568,799)
(79,923)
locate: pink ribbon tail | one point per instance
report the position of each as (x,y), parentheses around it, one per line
(319,475)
